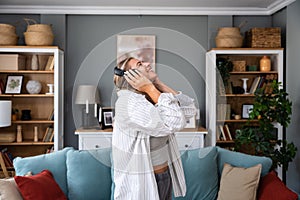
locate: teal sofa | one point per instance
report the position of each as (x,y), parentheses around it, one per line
(86,175)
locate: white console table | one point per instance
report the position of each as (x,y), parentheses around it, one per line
(97,139)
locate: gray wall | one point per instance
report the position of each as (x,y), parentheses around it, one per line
(293,88)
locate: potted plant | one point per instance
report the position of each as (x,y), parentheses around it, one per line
(225,66)
(269,108)
(14,114)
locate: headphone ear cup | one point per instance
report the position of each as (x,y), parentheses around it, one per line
(118,72)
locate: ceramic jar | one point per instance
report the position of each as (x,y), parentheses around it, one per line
(33,87)
(26,115)
(265,64)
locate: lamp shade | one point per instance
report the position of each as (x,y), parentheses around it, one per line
(5,113)
(87,93)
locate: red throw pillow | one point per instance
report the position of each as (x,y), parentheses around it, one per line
(271,187)
(41,186)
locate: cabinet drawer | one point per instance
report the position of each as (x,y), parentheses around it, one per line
(95,142)
(189,142)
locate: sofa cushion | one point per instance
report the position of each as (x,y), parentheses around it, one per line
(271,187)
(242,160)
(41,186)
(200,169)
(239,183)
(9,190)
(88,174)
(55,162)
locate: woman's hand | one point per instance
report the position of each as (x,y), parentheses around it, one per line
(137,80)
(141,83)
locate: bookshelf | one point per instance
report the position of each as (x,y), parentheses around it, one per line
(43,106)
(216,117)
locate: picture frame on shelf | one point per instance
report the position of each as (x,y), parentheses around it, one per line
(141,47)
(191,122)
(107,116)
(14,84)
(246,110)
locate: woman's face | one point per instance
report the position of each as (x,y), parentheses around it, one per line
(143,67)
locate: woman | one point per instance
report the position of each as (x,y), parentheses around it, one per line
(146,159)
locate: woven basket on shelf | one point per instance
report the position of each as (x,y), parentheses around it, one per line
(38,38)
(7,28)
(229,37)
(38,34)
(8,39)
(264,37)
(229,41)
(239,65)
(8,35)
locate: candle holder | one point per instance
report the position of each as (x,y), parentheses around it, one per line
(245,85)
(51,89)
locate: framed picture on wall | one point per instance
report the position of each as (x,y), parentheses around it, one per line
(107,117)
(141,47)
(14,84)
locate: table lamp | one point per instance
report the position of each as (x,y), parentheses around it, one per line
(88,94)
(5,113)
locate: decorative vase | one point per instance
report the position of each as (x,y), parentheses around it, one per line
(245,85)
(33,87)
(34,62)
(265,64)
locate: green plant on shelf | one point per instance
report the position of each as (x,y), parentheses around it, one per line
(224,66)
(269,109)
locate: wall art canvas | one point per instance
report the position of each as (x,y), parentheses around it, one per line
(141,47)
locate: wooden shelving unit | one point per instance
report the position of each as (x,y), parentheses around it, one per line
(235,101)
(41,105)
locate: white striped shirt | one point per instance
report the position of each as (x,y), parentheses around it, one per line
(136,119)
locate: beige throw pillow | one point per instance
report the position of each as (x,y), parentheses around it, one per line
(239,183)
(9,190)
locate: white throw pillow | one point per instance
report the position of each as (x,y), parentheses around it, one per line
(9,190)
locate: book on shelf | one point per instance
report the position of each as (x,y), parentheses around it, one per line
(227,132)
(48,134)
(50,64)
(224,111)
(51,116)
(254,85)
(7,157)
(222,133)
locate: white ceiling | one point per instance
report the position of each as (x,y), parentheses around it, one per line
(145,7)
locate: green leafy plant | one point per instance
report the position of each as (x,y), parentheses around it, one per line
(225,66)
(269,108)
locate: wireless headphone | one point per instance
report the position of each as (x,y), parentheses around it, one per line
(120,71)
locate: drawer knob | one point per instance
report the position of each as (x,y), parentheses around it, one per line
(97,146)
(186,145)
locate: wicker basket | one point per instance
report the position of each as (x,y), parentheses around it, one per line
(7,28)
(229,37)
(229,31)
(39,28)
(229,41)
(38,38)
(239,65)
(8,39)
(264,38)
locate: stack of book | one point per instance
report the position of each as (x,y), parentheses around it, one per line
(224,133)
